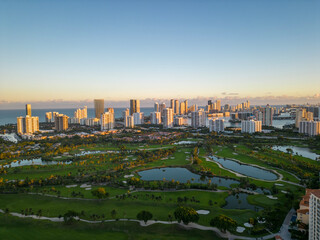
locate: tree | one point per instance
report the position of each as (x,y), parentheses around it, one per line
(68,217)
(100,193)
(144,215)
(186,215)
(223,222)
(113,213)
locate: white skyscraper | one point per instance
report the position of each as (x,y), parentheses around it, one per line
(156,107)
(267,115)
(311,128)
(129,122)
(138,118)
(216,125)
(27,125)
(49,117)
(155,117)
(125,113)
(198,119)
(251,126)
(314,215)
(107,121)
(168,118)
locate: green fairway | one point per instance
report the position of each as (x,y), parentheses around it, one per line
(27,229)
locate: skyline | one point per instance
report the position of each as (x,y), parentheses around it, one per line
(149,102)
(122,50)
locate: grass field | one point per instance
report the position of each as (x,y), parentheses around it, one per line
(27,229)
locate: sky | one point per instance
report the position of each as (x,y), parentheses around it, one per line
(74,51)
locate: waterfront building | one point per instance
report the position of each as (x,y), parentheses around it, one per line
(301,114)
(125,113)
(183,108)
(267,115)
(168,118)
(251,126)
(138,118)
(155,117)
(216,125)
(172,105)
(129,121)
(134,106)
(61,122)
(28,109)
(186,106)
(49,118)
(156,107)
(81,113)
(27,125)
(107,120)
(99,107)
(311,128)
(176,107)
(198,118)
(180,121)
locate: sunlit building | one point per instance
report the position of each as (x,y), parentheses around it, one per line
(99,107)
(251,126)
(61,122)
(27,125)
(28,109)
(216,125)
(168,118)
(155,117)
(134,106)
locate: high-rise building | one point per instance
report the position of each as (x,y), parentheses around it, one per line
(27,125)
(172,105)
(61,122)
(176,107)
(28,109)
(99,107)
(155,117)
(49,118)
(129,122)
(125,113)
(156,107)
(218,105)
(311,128)
(180,121)
(182,108)
(198,118)
(107,120)
(81,113)
(251,126)
(138,118)
(162,107)
(267,116)
(186,106)
(314,215)
(168,118)
(134,106)
(216,125)
(300,116)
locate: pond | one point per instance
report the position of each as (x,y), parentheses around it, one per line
(246,170)
(239,201)
(182,175)
(35,161)
(304,152)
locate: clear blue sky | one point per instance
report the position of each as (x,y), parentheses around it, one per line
(75,50)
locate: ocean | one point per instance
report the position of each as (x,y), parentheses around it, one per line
(10,116)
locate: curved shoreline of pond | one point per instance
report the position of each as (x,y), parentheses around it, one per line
(191,170)
(279,175)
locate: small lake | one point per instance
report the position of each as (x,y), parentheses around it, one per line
(304,152)
(246,170)
(35,161)
(239,201)
(182,175)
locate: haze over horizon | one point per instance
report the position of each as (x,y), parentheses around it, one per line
(264,51)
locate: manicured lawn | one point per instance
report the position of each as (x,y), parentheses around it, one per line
(29,229)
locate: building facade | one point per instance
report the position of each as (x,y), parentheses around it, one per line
(99,107)
(134,106)
(251,126)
